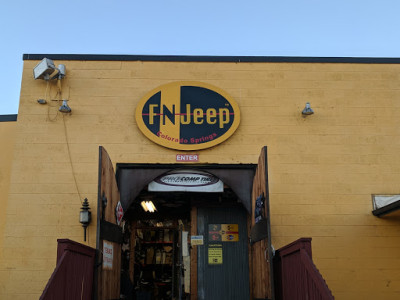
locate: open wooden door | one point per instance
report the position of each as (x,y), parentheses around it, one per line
(178,268)
(261,269)
(109,233)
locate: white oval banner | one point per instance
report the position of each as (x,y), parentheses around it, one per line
(187,181)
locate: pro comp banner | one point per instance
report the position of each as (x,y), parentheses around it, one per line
(187,181)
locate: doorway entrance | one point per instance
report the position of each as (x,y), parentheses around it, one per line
(157,245)
(163,262)
(183,217)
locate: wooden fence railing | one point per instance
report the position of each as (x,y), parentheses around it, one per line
(296,277)
(72,278)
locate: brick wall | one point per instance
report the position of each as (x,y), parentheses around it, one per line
(323,168)
(7,137)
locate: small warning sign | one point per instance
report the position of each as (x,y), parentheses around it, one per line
(223,232)
(108,255)
(196,240)
(119,212)
(215,254)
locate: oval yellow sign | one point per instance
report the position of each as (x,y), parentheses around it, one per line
(187,115)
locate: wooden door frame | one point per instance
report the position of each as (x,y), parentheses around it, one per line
(204,167)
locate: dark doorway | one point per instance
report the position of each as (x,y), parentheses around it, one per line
(227,276)
(155,250)
(192,212)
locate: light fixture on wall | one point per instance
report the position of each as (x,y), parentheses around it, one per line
(41,101)
(307,110)
(46,70)
(85,216)
(148,206)
(64,108)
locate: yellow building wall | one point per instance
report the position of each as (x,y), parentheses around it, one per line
(322,168)
(7,138)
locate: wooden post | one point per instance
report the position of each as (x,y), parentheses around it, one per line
(250,257)
(132,251)
(193,255)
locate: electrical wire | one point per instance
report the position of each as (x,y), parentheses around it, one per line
(70,159)
(58,98)
(50,103)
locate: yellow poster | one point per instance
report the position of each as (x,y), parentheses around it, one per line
(215,255)
(223,232)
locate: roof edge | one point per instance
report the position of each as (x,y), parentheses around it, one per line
(235,59)
(8,118)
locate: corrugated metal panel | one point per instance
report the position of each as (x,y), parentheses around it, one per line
(230,280)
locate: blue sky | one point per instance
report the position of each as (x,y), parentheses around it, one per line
(349,28)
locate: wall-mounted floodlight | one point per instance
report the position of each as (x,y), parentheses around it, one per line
(41,101)
(61,71)
(64,108)
(307,110)
(46,70)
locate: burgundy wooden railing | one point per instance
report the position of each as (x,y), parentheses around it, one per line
(296,277)
(72,278)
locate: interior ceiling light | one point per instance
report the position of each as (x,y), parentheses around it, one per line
(307,110)
(148,206)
